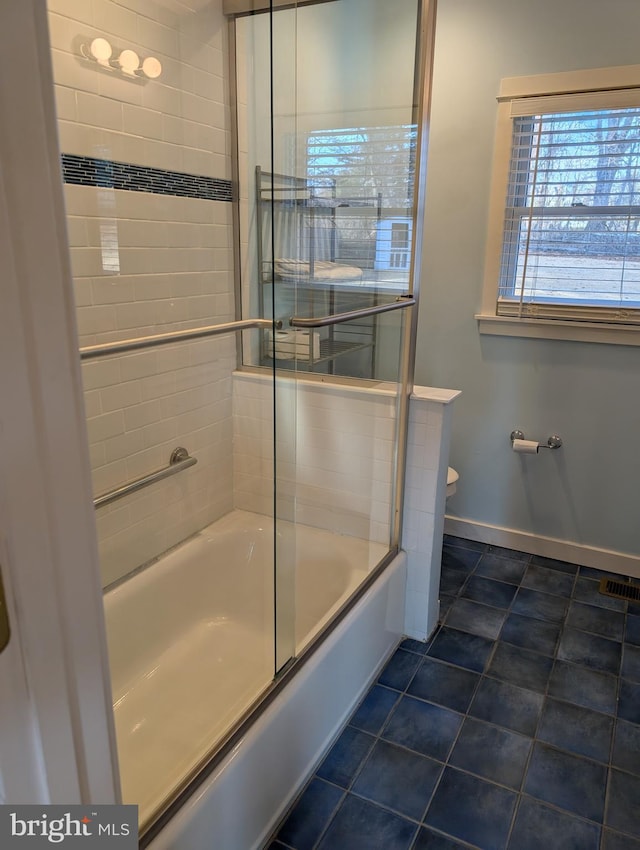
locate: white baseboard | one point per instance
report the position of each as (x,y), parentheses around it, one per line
(548,547)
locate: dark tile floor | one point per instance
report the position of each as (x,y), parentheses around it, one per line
(516,726)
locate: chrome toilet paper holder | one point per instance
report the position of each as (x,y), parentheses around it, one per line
(553,442)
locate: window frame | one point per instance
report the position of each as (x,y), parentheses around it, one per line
(561,92)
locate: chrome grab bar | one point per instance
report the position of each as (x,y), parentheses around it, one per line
(180,459)
(323,321)
(90,352)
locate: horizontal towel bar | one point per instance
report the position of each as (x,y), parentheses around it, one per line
(400,303)
(180,459)
(90,352)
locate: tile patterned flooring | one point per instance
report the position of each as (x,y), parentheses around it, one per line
(517,726)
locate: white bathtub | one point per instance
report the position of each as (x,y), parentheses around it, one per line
(241,803)
(191,638)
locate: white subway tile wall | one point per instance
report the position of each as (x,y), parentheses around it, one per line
(145,263)
(334,454)
(424,505)
(135,423)
(179,121)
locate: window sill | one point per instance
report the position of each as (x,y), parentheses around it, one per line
(553,329)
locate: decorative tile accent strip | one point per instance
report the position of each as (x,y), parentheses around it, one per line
(89,171)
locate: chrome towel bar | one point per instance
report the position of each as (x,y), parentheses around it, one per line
(323,321)
(90,352)
(180,459)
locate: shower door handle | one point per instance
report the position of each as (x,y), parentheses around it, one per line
(105,349)
(401,303)
(5,630)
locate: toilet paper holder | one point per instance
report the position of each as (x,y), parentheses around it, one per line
(553,442)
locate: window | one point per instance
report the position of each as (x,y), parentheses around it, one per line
(564,241)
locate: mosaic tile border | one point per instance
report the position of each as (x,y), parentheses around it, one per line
(90,171)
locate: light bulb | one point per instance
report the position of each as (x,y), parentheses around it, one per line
(129,61)
(152,67)
(101,50)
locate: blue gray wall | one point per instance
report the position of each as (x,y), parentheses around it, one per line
(589,393)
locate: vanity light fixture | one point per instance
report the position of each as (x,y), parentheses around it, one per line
(127,62)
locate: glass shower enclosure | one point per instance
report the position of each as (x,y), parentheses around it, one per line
(239,187)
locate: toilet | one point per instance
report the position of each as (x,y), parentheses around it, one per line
(452,478)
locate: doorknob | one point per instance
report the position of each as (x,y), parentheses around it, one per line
(5,631)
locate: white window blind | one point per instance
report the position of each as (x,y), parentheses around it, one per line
(571,246)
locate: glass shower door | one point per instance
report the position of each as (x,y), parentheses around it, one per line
(327,139)
(181,448)
(353,153)
(259,39)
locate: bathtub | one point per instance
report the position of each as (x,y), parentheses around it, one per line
(191,639)
(241,803)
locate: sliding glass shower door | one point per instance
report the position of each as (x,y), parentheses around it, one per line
(327,137)
(182,447)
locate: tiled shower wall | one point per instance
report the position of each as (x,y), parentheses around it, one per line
(334,453)
(150,261)
(429,434)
